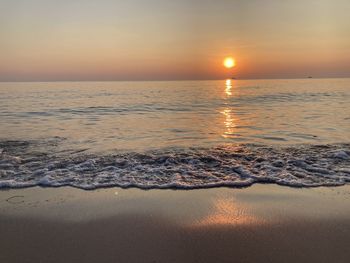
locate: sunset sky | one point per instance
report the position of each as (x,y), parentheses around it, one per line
(166,39)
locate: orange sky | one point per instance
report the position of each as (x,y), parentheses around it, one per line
(163,39)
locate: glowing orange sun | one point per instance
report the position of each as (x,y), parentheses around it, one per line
(229,62)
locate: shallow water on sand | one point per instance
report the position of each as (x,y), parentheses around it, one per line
(175,134)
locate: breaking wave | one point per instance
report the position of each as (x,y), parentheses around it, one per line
(24,164)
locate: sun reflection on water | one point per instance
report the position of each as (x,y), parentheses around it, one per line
(228,87)
(229,121)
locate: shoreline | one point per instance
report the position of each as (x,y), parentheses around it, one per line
(230,165)
(261,223)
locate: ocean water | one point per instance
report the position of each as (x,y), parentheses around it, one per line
(175,134)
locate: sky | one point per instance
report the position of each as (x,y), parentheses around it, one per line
(50,40)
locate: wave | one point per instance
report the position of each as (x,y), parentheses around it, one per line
(25,164)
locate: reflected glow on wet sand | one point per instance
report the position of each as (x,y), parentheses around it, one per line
(228,212)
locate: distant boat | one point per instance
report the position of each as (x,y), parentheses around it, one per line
(233,78)
(309,77)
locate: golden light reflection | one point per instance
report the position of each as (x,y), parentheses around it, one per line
(230,123)
(228,212)
(228,87)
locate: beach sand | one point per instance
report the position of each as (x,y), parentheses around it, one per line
(262,223)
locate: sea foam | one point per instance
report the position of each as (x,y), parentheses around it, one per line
(185,168)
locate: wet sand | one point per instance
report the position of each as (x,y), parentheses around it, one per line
(262,223)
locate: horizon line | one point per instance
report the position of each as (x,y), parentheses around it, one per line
(160,80)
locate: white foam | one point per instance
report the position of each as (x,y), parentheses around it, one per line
(341,154)
(230,165)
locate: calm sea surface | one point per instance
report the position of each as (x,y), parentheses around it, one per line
(105,127)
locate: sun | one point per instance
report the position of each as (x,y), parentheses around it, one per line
(229,62)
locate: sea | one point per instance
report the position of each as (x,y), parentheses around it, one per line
(175,134)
